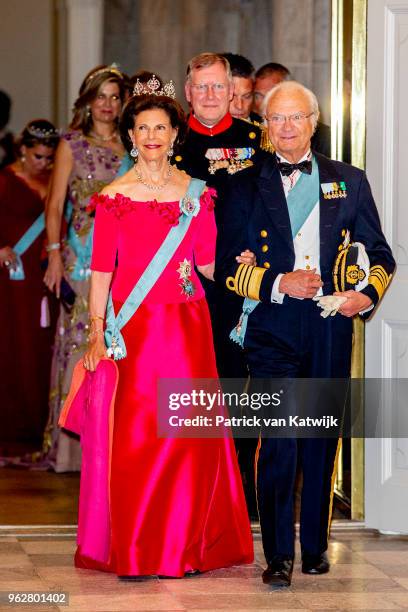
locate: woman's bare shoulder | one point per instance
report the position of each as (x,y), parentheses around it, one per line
(117,185)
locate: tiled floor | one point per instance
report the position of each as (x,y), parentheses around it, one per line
(32,497)
(369,572)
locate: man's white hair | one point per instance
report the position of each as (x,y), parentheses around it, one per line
(290,87)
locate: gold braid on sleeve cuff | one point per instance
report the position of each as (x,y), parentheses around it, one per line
(339,271)
(247,281)
(379,279)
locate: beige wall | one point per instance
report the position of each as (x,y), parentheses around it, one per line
(26,58)
(162,35)
(154,34)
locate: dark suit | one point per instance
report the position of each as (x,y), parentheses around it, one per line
(292,339)
(321,140)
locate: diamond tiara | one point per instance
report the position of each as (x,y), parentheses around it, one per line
(40,133)
(152,87)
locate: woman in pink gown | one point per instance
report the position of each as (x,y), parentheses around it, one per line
(176,505)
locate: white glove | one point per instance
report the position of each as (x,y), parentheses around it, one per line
(330,304)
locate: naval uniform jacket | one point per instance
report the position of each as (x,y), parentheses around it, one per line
(255,216)
(292,340)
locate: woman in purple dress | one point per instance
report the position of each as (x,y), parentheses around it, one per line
(87,159)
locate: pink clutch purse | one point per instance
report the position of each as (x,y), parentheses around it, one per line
(89,411)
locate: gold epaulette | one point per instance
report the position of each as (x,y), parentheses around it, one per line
(247,281)
(379,279)
(266,144)
(250,121)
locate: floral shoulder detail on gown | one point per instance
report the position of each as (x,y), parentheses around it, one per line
(207,198)
(121,205)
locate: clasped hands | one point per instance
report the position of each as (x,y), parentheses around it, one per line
(306,283)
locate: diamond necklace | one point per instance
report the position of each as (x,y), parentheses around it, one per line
(152,186)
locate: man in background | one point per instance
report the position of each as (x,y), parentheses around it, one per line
(268,76)
(243,72)
(216,147)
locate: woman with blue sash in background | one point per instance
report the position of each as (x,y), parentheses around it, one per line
(165,507)
(87,159)
(26,335)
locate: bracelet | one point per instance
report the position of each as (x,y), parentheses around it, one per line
(96,318)
(54,246)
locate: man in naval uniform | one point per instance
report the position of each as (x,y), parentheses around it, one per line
(298,211)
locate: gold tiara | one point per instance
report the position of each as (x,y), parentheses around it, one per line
(113,68)
(152,87)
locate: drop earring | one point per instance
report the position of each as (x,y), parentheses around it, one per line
(134,153)
(170,152)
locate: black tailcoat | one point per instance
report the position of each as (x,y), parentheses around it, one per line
(224,308)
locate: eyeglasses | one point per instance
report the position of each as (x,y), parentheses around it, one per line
(202,88)
(296,118)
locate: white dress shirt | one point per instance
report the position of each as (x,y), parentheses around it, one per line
(306,243)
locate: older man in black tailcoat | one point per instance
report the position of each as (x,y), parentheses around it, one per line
(217,147)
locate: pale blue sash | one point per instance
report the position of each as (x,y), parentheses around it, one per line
(303,198)
(126,165)
(189,208)
(301,201)
(238,332)
(83,251)
(26,240)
